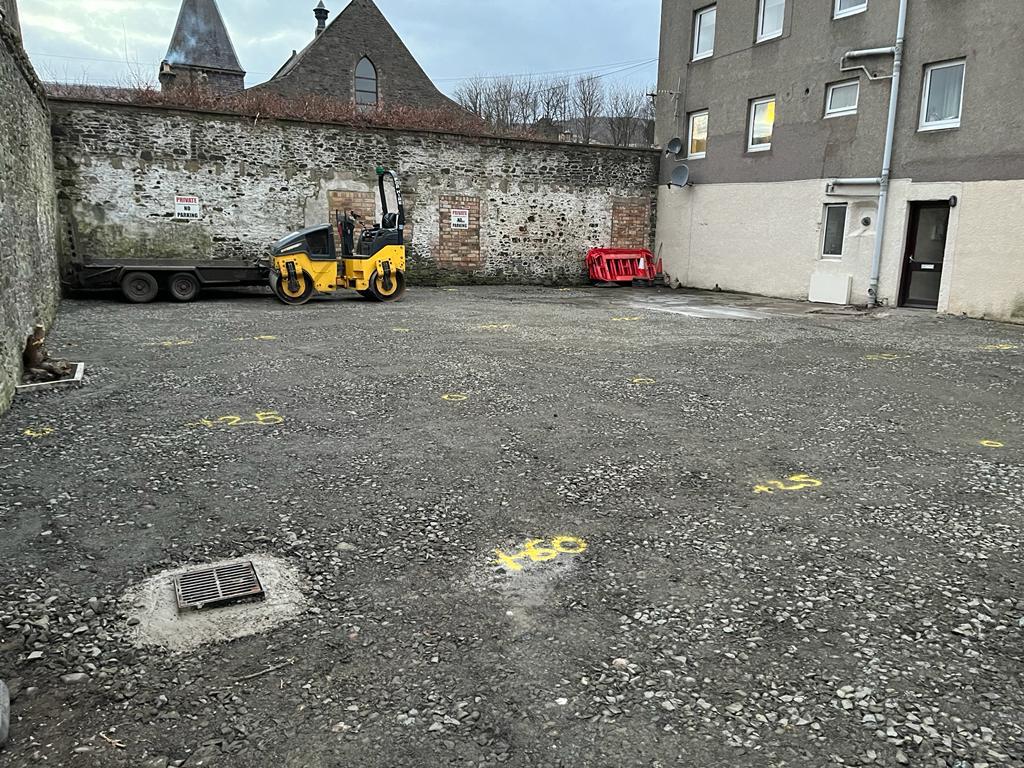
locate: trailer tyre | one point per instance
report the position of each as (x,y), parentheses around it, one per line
(139,287)
(184,287)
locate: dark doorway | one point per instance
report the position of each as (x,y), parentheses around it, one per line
(926,250)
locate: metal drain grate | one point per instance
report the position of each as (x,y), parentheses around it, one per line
(222,585)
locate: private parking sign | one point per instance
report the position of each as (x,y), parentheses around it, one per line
(186,207)
(460,218)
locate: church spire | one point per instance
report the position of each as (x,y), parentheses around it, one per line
(201,49)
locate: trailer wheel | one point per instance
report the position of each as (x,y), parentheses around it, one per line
(184,287)
(139,287)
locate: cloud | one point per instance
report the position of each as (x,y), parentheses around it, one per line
(453,39)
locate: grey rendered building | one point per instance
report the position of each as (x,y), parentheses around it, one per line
(782,108)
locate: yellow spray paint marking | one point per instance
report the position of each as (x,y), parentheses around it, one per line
(455,397)
(565,289)
(402,330)
(536,553)
(257,338)
(998,347)
(496,327)
(169,344)
(625,319)
(992,444)
(38,431)
(642,380)
(797,483)
(883,357)
(264,419)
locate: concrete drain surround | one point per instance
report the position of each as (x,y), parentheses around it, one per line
(153,605)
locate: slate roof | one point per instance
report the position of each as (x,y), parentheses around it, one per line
(201,39)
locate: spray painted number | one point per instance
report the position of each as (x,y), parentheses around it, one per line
(265,419)
(536,552)
(795,483)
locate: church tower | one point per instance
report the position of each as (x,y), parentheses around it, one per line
(201,54)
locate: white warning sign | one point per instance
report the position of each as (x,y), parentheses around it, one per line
(460,218)
(186,207)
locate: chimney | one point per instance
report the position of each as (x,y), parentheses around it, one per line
(321,14)
(167,76)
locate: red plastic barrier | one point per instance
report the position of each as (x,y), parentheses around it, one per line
(622,265)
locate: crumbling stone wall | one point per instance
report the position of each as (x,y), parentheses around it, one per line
(29,280)
(541,206)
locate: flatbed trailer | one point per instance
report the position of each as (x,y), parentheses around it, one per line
(142,281)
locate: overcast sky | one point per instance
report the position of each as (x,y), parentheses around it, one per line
(120,41)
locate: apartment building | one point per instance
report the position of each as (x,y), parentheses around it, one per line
(813,177)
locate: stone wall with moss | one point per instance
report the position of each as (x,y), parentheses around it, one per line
(542,205)
(29,281)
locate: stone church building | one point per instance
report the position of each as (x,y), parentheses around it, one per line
(356,58)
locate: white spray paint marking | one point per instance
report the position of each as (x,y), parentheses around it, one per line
(705,311)
(153,603)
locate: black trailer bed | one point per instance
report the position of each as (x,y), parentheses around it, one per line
(143,281)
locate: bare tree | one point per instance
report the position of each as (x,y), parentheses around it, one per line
(648,113)
(472,95)
(556,100)
(625,104)
(588,101)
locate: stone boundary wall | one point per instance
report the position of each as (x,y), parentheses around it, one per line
(541,205)
(29,281)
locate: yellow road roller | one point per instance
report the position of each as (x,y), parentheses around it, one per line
(305,263)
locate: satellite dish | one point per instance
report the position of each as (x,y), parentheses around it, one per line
(680,176)
(674,147)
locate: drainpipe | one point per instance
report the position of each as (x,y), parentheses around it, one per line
(890,132)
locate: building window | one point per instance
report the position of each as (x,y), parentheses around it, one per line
(942,100)
(366,83)
(770,19)
(841,99)
(762,125)
(704,33)
(698,146)
(849,8)
(835,231)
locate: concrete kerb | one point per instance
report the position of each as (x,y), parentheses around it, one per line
(73,381)
(5,713)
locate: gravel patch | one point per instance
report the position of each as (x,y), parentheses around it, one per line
(803,534)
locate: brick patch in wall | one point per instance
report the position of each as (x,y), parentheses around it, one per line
(363,203)
(631,224)
(459,248)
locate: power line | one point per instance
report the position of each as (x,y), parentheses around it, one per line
(594,68)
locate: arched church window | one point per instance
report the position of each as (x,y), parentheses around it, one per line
(366,83)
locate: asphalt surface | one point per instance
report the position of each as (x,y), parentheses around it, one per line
(643,529)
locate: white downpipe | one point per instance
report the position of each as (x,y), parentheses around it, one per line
(855,182)
(890,132)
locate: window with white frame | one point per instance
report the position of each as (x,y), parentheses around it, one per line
(841,98)
(762,125)
(704,32)
(849,8)
(770,18)
(834,231)
(943,95)
(698,136)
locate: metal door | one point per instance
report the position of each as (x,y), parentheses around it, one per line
(925,254)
